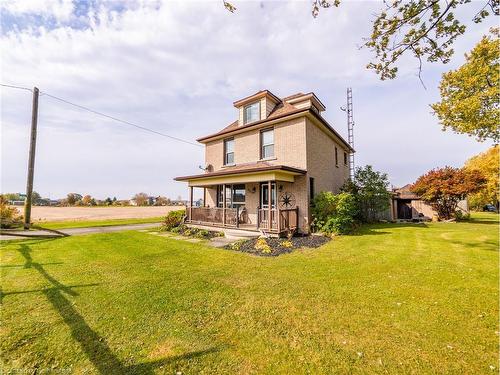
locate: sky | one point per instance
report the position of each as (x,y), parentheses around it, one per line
(177,67)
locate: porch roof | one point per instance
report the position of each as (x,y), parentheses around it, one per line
(254,172)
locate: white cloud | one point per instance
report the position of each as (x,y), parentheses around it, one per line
(178,67)
(61,10)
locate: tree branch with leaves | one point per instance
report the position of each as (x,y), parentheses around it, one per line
(425,28)
(470,97)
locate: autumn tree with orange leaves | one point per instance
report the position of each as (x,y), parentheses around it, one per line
(443,188)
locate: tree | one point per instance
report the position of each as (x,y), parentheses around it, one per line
(162,201)
(488,164)
(35,197)
(470,101)
(72,198)
(108,201)
(9,216)
(87,200)
(443,188)
(12,196)
(371,190)
(425,28)
(141,199)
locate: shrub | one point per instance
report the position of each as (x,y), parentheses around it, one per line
(288,244)
(263,246)
(9,216)
(334,213)
(236,246)
(370,188)
(172,220)
(179,229)
(461,215)
(443,188)
(202,233)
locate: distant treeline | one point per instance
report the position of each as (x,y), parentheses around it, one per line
(75,199)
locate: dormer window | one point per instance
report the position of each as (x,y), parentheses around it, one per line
(251,113)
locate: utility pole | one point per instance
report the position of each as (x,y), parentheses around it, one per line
(31,160)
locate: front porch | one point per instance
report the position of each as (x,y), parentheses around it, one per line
(282,220)
(259,198)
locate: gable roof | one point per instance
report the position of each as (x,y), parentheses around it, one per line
(300,97)
(281,110)
(405,192)
(257,95)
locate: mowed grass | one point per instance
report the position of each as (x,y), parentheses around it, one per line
(66,224)
(394,299)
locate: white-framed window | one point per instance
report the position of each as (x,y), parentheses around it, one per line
(229,151)
(235,196)
(251,113)
(267,143)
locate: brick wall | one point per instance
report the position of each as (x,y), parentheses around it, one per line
(289,146)
(298,143)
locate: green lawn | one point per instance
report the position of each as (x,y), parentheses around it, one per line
(66,224)
(394,299)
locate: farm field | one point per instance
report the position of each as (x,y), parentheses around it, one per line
(394,298)
(41,214)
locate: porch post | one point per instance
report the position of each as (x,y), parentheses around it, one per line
(269,206)
(224,205)
(191,203)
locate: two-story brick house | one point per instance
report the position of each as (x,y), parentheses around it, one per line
(263,170)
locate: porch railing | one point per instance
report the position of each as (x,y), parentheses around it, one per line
(277,219)
(213,216)
(273,221)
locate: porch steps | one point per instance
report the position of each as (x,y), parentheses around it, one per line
(240,234)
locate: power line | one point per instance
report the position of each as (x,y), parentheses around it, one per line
(107,116)
(16,87)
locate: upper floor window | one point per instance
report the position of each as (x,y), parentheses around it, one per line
(336,157)
(251,113)
(267,144)
(345,158)
(229,151)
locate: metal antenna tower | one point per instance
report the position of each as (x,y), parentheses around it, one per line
(350,130)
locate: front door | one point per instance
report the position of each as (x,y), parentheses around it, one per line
(264,213)
(264,195)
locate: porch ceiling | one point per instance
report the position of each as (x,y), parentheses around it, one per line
(272,173)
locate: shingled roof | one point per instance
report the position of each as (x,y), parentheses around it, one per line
(259,166)
(281,109)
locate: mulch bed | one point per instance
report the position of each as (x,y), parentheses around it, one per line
(276,245)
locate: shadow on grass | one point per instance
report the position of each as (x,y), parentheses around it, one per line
(378,228)
(480,221)
(93,345)
(480,245)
